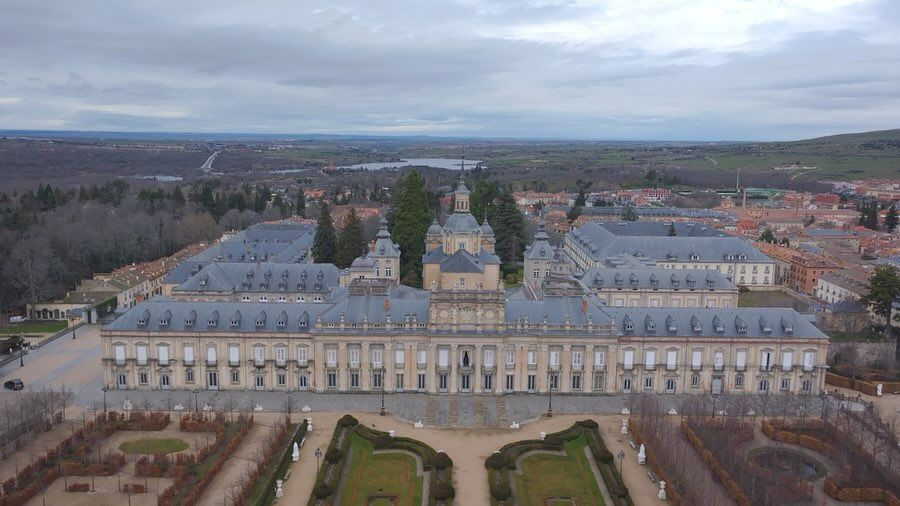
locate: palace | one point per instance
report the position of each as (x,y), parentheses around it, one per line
(275,326)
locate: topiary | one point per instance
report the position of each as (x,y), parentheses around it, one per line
(604,455)
(382,441)
(347,421)
(500,489)
(442,491)
(496,461)
(334,455)
(441,461)
(589,424)
(322,490)
(618,490)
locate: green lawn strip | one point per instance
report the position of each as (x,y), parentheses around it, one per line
(388,474)
(38,327)
(260,488)
(200,468)
(154,446)
(545,476)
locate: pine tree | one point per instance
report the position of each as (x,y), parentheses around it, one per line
(509,229)
(324,242)
(352,241)
(573,213)
(301,204)
(884,289)
(890,221)
(629,214)
(767,236)
(177,196)
(410,222)
(482,201)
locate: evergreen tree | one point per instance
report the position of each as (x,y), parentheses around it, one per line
(410,222)
(672,232)
(629,214)
(573,213)
(352,241)
(279,203)
(482,201)
(884,289)
(300,209)
(581,199)
(177,196)
(509,229)
(767,236)
(890,221)
(324,242)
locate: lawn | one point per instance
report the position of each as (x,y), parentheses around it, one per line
(555,476)
(771,298)
(153,446)
(36,327)
(384,474)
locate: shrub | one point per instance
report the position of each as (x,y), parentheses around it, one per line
(382,441)
(496,461)
(443,490)
(604,456)
(617,489)
(589,424)
(347,421)
(500,489)
(334,455)
(322,490)
(441,461)
(512,279)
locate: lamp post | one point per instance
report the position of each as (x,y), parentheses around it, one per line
(382,390)
(196,400)
(318,455)
(621,460)
(550,395)
(290,398)
(105,389)
(72,319)
(22,351)
(714,397)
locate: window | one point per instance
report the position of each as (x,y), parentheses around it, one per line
(628,360)
(142,378)
(763,385)
(398,381)
(670,385)
(809,358)
(211,355)
(462,282)
(442,382)
(787,360)
(531,381)
(331,357)
(141,354)
(464,359)
(260,381)
(354,379)
(488,382)
(259,356)
(120,354)
(420,357)
(553,381)
(443,357)
(354,357)
(718,361)
(162,353)
(331,380)
(576,381)
(626,385)
(510,382)
(536,274)
(235,376)
(765,360)
(577,359)
(510,358)
(302,355)
(121,381)
(377,380)
(164,381)
(302,382)
(599,359)
(695,381)
(464,380)
(377,357)
(280,355)
(399,356)
(650,359)
(785,383)
(696,359)
(532,358)
(489,358)
(188,375)
(420,381)
(739,381)
(806,386)
(388,272)
(741,360)
(554,358)
(599,382)
(648,383)
(671,360)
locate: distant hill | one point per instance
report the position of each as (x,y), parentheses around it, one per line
(892,135)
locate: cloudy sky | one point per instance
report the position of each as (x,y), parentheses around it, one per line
(604,69)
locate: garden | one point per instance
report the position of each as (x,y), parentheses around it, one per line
(557,470)
(364,466)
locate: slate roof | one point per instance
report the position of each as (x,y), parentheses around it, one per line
(648,278)
(540,249)
(262,277)
(461,260)
(384,246)
(556,309)
(716,322)
(599,243)
(461,223)
(374,308)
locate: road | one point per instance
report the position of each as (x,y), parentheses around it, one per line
(207,165)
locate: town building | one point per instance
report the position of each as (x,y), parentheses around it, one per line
(797,269)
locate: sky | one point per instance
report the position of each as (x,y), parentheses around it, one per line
(614,69)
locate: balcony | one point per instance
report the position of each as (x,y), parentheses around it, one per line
(718,367)
(696,367)
(303,363)
(259,363)
(671,367)
(788,368)
(765,368)
(163,363)
(554,367)
(600,367)
(809,368)
(142,362)
(740,368)
(188,362)
(210,363)
(353,365)
(120,361)
(280,363)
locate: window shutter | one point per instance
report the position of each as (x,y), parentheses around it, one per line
(211,354)
(787,359)
(142,353)
(120,353)
(163,353)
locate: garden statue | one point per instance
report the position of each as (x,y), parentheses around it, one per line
(514,425)
(178,407)
(296,455)
(642,455)
(279,492)
(662,491)
(419,424)
(257,408)
(306,408)
(543,435)
(624,427)
(127,405)
(309,424)
(878,389)
(391,433)
(672,412)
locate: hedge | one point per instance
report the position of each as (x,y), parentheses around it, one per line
(866,387)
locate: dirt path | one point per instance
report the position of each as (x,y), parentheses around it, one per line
(468,448)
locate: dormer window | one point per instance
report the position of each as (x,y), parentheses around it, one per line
(740,325)
(742,256)
(143,319)
(670,324)
(650,324)
(654,281)
(764,326)
(676,281)
(718,325)
(628,324)
(598,280)
(690,280)
(204,280)
(633,279)
(729,256)
(236,319)
(696,326)
(695,255)
(618,279)
(786,326)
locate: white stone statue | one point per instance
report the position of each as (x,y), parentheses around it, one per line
(625,411)
(543,435)
(178,407)
(391,433)
(306,409)
(279,492)
(514,425)
(878,389)
(296,455)
(642,455)
(662,491)
(127,405)
(672,412)
(257,408)
(624,427)
(308,424)
(419,424)
(207,407)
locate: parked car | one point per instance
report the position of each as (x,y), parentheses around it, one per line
(18,319)
(14,384)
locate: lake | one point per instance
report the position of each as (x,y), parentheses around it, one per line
(440,163)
